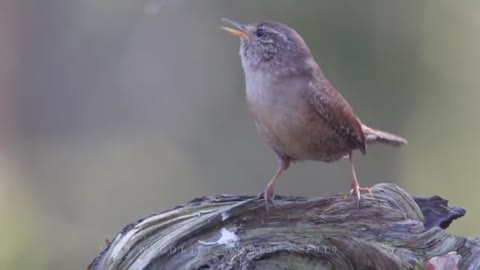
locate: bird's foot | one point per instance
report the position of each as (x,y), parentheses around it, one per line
(267,196)
(357,191)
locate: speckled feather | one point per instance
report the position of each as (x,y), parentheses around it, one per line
(336,111)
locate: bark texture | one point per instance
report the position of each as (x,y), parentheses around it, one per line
(392,230)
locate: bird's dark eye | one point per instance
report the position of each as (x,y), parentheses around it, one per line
(260,32)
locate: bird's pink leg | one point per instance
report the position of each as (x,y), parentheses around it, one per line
(268,192)
(355,187)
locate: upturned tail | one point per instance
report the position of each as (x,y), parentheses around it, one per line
(374,136)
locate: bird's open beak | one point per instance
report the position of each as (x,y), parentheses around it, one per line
(241,30)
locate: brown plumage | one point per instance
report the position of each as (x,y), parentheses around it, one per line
(296,109)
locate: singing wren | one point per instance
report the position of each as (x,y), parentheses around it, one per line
(296,110)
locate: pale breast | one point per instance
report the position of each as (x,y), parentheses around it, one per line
(287,122)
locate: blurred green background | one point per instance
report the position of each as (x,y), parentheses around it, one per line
(111,110)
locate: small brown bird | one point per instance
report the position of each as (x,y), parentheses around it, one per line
(296,109)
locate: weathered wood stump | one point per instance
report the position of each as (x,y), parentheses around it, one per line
(392,230)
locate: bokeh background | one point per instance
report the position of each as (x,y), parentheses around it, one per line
(111,110)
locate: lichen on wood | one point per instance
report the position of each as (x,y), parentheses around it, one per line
(390,230)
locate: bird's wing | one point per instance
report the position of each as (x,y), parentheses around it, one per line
(336,111)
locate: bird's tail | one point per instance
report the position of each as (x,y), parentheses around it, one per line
(374,136)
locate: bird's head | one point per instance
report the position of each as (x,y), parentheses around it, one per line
(269,45)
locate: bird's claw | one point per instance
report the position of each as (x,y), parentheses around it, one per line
(267,196)
(357,191)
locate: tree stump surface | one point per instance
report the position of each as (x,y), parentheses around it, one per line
(391,230)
